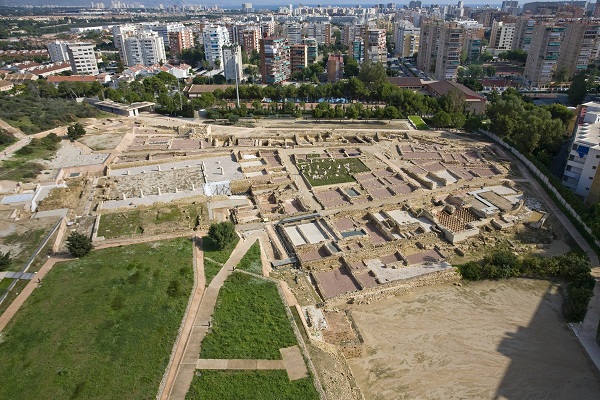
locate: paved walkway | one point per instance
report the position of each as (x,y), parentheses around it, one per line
(187,367)
(585,332)
(27,290)
(291,361)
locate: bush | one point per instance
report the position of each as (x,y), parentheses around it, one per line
(222,234)
(5,260)
(75,131)
(79,245)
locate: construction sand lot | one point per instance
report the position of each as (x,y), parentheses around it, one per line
(501,340)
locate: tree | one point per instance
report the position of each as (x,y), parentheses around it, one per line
(222,234)
(490,71)
(372,74)
(441,119)
(78,244)
(5,261)
(75,131)
(561,74)
(233,118)
(578,89)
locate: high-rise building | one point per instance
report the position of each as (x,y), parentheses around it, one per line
(247,7)
(293,31)
(375,45)
(320,31)
(267,28)
(58,51)
(335,67)
(357,50)
(82,58)
(579,46)
(164,29)
(120,33)
(406,38)
(250,38)
(144,47)
(510,6)
(502,37)
(312,49)
(274,60)
(180,40)
(415,4)
(543,54)
(298,57)
(215,37)
(232,62)
(440,47)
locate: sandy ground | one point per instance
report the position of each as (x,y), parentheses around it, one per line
(500,340)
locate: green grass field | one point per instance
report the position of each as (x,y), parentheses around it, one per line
(251,261)
(4,284)
(211,251)
(250,385)
(211,269)
(419,123)
(101,327)
(249,321)
(327,171)
(137,221)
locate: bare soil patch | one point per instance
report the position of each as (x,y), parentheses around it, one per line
(483,340)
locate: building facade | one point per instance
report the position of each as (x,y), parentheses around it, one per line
(440,49)
(275,66)
(180,40)
(543,55)
(215,37)
(298,57)
(232,62)
(144,47)
(58,52)
(335,67)
(83,59)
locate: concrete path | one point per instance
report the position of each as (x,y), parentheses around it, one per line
(188,320)
(187,366)
(585,332)
(27,290)
(291,361)
(16,275)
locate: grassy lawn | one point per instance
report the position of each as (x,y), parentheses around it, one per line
(101,327)
(249,321)
(211,251)
(10,297)
(419,123)
(4,284)
(211,269)
(137,221)
(250,385)
(251,260)
(327,171)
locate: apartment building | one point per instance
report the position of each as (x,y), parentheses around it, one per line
(275,63)
(579,46)
(581,171)
(501,37)
(298,57)
(57,51)
(215,37)
(406,38)
(312,49)
(543,55)
(250,39)
(232,62)
(144,47)
(82,58)
(440,47)
(321,31)
(293,32)
(375,45)
(180,40)
(335,67)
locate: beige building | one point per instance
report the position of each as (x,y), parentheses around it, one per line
(440,48)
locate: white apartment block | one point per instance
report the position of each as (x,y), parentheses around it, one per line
(406,38)
(120,33)
(164,29)
(293,31)
(145,48)
(82,58)
(320,31)
(58,51)
(502,37)
(215,37)
(580,173)
(232,62)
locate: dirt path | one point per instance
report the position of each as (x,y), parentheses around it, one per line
(503,340)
